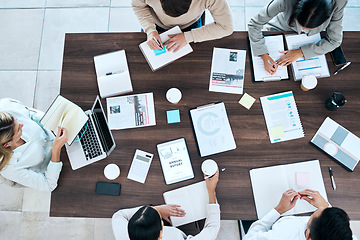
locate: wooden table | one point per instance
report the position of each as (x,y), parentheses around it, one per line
(75,196)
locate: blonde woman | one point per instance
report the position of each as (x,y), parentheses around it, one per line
(29,154)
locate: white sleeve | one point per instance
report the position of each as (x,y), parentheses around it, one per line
(212,224)
(120,221)
(260,228)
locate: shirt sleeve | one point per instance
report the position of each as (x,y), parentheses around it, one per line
(120,221)
(221,27)
(212,224)
(143,14)
(260,229)
(40,181)
(334,35)
(257,22)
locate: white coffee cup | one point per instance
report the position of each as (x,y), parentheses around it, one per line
(209,167)
(112,171)
(173,95)
(308,82)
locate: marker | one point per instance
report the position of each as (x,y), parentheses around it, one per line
(157,42)
(332,179)
(342,68)
(221,170)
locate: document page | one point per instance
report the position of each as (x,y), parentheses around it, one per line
(227,71)
(131,111)
(281,117)
(316,66)
(274,44)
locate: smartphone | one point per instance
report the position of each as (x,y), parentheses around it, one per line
(337,56)
(107,188)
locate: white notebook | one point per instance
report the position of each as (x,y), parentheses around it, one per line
(112,73)
(156,59)
(269,183)
(193,199)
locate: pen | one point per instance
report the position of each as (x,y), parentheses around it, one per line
(270,63)
(111,73)
(342,68)
(157,42)
(221,170)
(332,179)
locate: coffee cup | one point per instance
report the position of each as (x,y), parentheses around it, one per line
(209,167)
(112,171)
(308,82)
(173,95)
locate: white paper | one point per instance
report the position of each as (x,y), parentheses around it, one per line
(316,66)
(212,129)
(280,110)
(274,44)
(161,60)
(270,183)
(131,111)
(227,71)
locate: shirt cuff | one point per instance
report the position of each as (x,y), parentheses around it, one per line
(307,52)
(150,30)
(54,166)
(188,37)
(273,215)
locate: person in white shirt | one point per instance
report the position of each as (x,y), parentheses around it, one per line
(29,154)
(326,223)
(144,223)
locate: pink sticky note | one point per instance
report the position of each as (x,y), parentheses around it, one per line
(303,179)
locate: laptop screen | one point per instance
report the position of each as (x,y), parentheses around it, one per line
(102,127)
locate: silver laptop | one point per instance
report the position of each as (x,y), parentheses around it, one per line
(94,141)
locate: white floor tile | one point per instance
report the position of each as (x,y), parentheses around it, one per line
(19,85)
(351,19)
(10,223)
(260,3)
(353,3)
(229,230)
(121,3)
(249,13)
(37,225)
(236,3)
(103,229)
(20,38)
(36,201)
(22,3)
(11,199)
(47,88)
(355,227)
(118,23)
(67,20)
(77,3)
(238,18)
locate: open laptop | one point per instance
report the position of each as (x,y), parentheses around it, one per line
(94,141)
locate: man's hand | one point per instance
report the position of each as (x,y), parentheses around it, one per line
(170,210)
(287,201)
(211,184)
(289,57)
(271,68)
(152,43)
(176,42)
(314,198)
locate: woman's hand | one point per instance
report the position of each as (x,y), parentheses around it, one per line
(269,64)
(211,184)
(166,211)
(176,42)
(287,201)
(152,43)
(289,57)
(60,139)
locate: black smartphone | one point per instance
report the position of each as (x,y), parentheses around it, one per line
(107,188)
(337,56)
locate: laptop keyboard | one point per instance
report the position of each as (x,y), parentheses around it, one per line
(89,141)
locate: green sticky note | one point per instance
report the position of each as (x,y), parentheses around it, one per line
(277,133)
(247,101)
(173,116)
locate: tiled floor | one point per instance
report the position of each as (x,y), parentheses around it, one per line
(31,46)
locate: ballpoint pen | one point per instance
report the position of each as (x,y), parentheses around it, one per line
(270,63)
(332,179)
(157,42)
(342,68)
(221,170)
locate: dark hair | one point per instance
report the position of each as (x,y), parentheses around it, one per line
(310,13)
(145,224)
(332,224)
(175,8)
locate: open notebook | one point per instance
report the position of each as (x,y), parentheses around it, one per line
(64,113)
(193,199)
(269,183)
(158,59)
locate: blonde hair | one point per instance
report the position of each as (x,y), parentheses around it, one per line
(6,135)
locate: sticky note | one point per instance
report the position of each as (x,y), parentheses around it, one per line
(302,179)
(277,133)
(159,52)
(247,101)
(173,116)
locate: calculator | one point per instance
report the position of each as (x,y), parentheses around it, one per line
(140,166)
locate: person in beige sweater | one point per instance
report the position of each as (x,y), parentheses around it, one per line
(156,16)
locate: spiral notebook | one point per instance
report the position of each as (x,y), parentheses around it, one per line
(282,117)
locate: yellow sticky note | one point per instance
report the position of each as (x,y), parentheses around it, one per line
(247,101)
(277,133)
